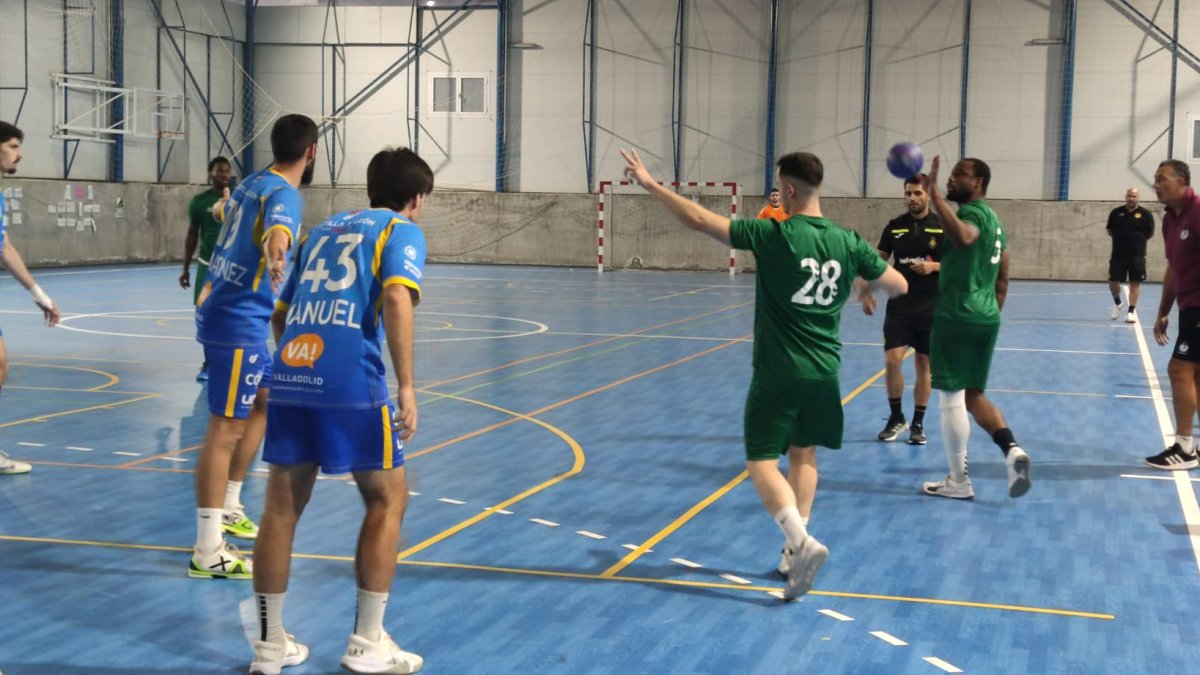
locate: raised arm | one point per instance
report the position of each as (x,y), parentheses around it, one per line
(685,210)
(961,233)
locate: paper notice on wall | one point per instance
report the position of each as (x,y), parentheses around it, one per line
(14,204)
(15,219)
(95,208)
(62,222)
(80,191)
(87,223)
(81,205)
(66,191)
(8,193)
(119,212)
(52,208)
(19,193)
(91,192)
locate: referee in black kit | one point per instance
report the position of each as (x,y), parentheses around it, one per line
(1130,227)
(915,240)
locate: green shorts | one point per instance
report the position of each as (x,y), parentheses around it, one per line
(783,411)
(201,275)
(960,354)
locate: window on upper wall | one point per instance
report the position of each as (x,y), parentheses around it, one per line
(463,94)
(1194,138)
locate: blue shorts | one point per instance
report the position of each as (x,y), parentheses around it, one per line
(339,439)
(235,374)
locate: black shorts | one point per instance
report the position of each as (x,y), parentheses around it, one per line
(1127,268)
(1187,345)
(908,325)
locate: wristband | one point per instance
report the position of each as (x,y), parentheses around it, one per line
(40,298)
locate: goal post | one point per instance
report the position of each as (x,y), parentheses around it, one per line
(608,187)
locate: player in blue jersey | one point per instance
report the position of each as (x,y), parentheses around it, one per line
(356,278)
(260,220)
(10,155)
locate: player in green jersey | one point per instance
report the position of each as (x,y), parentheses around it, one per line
(806,266)
(203,230)
(966,322)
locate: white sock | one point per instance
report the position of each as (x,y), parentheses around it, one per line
(368,619)
(233,495)
(792,524)
(956,431)
(1185,442)
(805,521)
(270,617)
(208,529)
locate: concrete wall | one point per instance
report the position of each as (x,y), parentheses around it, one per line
(1050,240)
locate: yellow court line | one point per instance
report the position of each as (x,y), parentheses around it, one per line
(81,391)
(112,379)
(682,520)
(576,449)
(595,577)
(102,406)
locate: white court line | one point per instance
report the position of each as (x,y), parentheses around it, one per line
(835,615)
(410,493)
(889,638)
(590,535)
(779,594)
(76,447)
(547,523)
(633,547)
(1135,475)
(118,452)
(501,511)
(1183,486)
(948,667)
(447,500)
(31,445)
(736,579)
(686,563)
(174,459)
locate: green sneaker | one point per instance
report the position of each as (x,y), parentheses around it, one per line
(225,563)
(236,524)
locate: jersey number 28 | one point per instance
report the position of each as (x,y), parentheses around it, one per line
(824,277)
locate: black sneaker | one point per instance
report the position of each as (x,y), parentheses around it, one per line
(892,431)
(1173,459)
(917,435)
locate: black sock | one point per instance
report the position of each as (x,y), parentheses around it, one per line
(897,413)
(918,415)
(1004,439)
(1116,299)
(1131,308)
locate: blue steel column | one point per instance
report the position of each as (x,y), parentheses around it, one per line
(116,18)
(772,93)
(677,89)
(866,111)
(1174,75)
(416,136)
(589,138)
(502,17)
(1064,152)
(964,80)
(248,96)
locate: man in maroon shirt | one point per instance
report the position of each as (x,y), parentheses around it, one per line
(1181,236)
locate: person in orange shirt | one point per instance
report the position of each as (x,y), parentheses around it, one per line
(774,209)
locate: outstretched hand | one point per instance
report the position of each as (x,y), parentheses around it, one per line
(929,181)
(635,170)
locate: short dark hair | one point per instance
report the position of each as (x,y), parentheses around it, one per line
(913,180)
(1181,169)
(395,176)
(212,163)
(802,166)
(9,132)
(980,170)
(773,191)
(291,137)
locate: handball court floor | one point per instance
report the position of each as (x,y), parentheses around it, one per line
(579,503)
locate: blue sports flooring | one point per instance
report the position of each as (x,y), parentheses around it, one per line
(567,419)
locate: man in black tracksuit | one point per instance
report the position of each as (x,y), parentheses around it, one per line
(1130,227)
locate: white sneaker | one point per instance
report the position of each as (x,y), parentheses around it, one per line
(803,567)
(272,657)
(1131,317)
(1116,312)
(10,466)
(785,560)
(1017,463)
(224,563)
(947,487)
(384,656)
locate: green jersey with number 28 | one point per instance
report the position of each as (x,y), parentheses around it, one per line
(805,267)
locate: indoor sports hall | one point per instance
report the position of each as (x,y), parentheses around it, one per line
(579,500)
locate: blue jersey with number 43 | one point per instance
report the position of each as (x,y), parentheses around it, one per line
(237,311)
(330,354)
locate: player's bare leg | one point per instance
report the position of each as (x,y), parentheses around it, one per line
(894,377)
(988,416)
(777,494)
